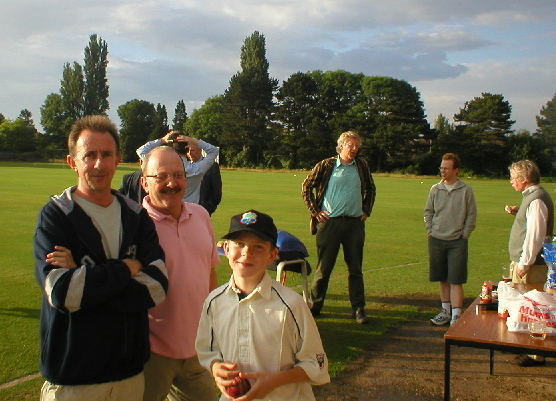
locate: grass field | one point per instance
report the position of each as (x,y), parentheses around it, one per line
(395,253)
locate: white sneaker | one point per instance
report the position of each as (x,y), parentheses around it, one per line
(454,320)
(442,318)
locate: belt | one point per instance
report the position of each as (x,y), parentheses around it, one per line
(346,217)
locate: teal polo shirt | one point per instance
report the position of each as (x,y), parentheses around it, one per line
(343,193)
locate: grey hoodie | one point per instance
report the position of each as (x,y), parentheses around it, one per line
(450,215)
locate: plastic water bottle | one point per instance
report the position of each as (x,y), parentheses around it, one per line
(549,255)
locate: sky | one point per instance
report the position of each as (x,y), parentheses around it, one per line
(163,51)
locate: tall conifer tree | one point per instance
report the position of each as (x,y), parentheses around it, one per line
(248,106)
(96,92)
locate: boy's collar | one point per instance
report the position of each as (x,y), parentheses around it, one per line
(264,287)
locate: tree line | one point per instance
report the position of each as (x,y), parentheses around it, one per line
(258,123)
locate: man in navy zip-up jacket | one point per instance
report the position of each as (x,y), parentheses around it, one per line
(100,266)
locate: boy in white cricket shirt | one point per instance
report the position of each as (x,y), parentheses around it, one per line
(257,329)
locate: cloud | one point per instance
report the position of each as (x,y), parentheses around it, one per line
(526,96)
(167,50)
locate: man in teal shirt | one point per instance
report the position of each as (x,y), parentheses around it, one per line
(339,193)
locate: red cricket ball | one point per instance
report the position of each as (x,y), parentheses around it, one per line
(238,387)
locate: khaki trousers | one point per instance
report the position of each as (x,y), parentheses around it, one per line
(535,275)
(178,379)
(125,390)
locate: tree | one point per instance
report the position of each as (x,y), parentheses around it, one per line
(295,113)
(547,122)
(314,109)
(54,121)
(442,125)
(96,89)
(160,123)
(397,117)
(338,103)
(71,90)
(523,146)
(180,117)
(59,111)
(26,116)
(83,91)
(488,116)
(483,129)
(546,132)
(137,118)
(248,106)
(206,122)
(17,136)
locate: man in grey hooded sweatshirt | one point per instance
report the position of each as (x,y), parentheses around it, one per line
(449,215)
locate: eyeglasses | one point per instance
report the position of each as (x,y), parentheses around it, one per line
(351,145)
(164,177)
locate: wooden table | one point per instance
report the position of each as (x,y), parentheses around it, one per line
(487,331)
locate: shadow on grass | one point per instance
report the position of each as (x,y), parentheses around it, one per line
(21,312)
(344,339)
(419,300)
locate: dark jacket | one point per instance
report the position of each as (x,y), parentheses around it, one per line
(131,186)
(211,189)
(94,326)
(314,187)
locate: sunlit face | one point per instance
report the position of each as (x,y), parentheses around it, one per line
(348,149)
(194,153)
(447,170)
(519,184)
(249,255)
(165,195)
(95,161)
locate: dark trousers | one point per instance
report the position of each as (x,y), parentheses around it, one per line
(350,233)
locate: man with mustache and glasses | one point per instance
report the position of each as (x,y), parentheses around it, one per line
(186,235)
(340,194)
(101,268)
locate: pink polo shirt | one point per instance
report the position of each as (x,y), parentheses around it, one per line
(191,253)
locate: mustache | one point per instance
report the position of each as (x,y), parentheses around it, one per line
(171,191)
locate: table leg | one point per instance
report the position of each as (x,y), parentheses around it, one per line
(446,370)
(491,362)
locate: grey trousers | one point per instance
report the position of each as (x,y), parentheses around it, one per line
(349,232)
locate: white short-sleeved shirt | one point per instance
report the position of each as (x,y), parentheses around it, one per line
(270,330)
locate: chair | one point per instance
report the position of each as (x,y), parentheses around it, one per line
(291,258)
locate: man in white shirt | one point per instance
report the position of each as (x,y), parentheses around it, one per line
(534,219)
(194,171)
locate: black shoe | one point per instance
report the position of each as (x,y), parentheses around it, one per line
(526,361)
(360,316)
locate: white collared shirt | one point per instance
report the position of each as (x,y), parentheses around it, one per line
(269,330)
(536,216)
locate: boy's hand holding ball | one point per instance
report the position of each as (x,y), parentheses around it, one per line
(238,387)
